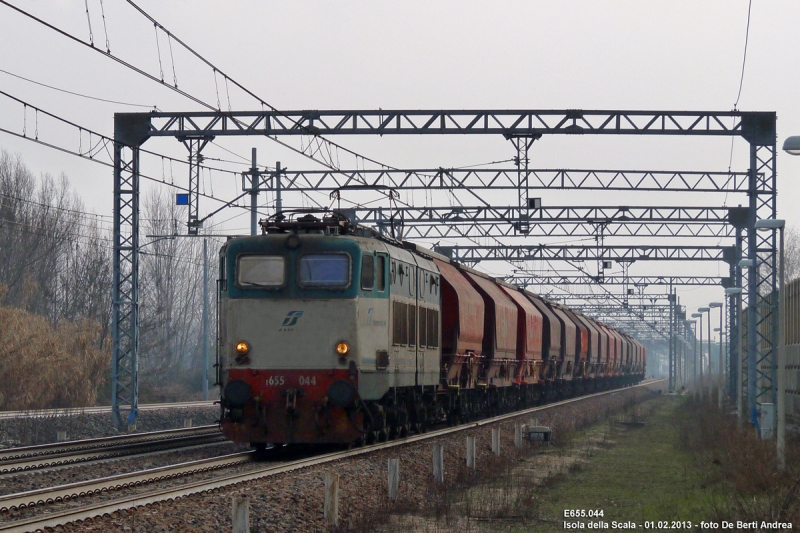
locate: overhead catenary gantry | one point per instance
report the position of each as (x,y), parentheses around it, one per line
(477,179)
(529,252)
(525,279)
(553,221)
(519,126)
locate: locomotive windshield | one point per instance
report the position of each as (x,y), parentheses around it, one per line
(330,271)
(261,270)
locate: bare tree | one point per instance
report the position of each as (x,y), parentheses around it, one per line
(171,295)
(792,251)
(55,262)
(54,259)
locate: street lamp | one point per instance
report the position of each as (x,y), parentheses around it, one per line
(714,305)
(792,145)
(771,224)
(737,292)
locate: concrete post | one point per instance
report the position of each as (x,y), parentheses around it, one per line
(254,196)
(781,360)
(241,514)
(61,435)
(438,462)
(187,422)
(393,478)
(471,452)
(496,441)
(742,363)
(205,319)
(331,511)
(518,435)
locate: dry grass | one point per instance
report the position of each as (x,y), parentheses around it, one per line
(45,367)
(745,465)
(507,490)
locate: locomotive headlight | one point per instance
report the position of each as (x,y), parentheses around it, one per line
(342,348)
(242,347)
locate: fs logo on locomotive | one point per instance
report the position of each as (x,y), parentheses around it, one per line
(290,320)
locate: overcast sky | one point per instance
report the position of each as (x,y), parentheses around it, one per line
(677,55)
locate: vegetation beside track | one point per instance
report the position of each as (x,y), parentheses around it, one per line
(44,366)
(642,474)
(668,458)
(689,462)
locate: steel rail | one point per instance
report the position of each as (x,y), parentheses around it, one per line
(70,411)
(31,498)
(36,463)
(152,452)
(53,520)
(13,455)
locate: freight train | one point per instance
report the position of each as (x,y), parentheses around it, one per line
(330,332)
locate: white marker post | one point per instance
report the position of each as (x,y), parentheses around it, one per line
(241,514)
(471,452)
(394,478)
(332,499)
(438,462)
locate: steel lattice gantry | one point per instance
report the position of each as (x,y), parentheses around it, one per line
(505,221)
(530,252)
(452,179)
(131,130)
(525,279)
(125,304)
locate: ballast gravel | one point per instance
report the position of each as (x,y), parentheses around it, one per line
(25,481)
(294,501)
(16,432)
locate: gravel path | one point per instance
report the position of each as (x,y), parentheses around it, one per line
(294,501)
(43,430)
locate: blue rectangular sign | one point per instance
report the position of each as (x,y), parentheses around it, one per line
(181,199)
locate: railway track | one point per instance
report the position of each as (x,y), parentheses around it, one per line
(57,518)
(44,413)
(35,458)
(22,500)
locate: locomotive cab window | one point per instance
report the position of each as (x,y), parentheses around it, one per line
(223,279)
(260,271)
(367,272)
(328,271)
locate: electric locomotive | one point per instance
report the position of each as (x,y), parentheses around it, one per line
(330,332)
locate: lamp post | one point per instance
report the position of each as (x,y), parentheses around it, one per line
(737,292)
(700,329)
(714,305)
(691,324)
(750,357)
(708,323)
(772,224)
(721,376)
(792,147)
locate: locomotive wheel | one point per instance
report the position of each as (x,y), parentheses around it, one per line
(259,447)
